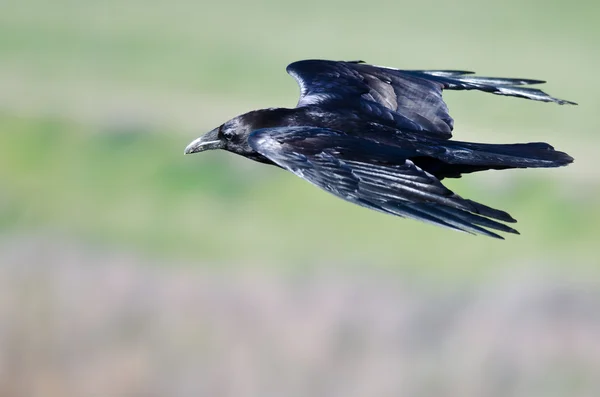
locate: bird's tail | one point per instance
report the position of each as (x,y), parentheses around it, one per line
(515,155)
(466,157)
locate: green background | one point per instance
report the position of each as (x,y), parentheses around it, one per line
(98,100)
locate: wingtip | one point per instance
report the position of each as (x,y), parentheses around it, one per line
(511,231)
(565,102)
(499,237)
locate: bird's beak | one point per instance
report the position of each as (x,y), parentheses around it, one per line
(208,141)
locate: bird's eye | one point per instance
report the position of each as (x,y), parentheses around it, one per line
(228,135)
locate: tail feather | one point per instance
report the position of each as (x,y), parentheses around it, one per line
(464,157)
(517,155)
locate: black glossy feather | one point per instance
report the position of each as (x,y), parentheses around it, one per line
(380,138)
(409,99)
(366,173)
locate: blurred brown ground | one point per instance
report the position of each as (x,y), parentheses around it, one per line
(78,322)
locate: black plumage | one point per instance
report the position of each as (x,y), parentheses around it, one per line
(380,138)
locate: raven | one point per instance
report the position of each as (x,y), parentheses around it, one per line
(380,137)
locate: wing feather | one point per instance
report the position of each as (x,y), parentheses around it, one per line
(407,99)
(353,169)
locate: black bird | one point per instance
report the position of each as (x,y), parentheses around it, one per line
(380,138)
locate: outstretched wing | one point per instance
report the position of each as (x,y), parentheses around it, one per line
(375,176)
(410,99)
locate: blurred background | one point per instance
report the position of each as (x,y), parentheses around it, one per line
(127,269)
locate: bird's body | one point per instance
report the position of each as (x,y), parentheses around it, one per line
(379,137)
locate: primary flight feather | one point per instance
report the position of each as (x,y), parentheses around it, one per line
(380,138)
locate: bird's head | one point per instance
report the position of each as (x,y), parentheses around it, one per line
(231,136)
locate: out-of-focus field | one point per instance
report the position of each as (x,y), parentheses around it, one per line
(78,322)
(129,269)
